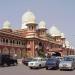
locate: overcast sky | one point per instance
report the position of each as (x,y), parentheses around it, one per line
(58,12)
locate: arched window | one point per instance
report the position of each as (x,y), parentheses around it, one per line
(3,40)
(6,40)
(17,42)
(11,41)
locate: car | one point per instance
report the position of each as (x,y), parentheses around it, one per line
(26,60)
(37,62)
(59,58)
(7,60)
(72,56)
(68,63)
(52,63)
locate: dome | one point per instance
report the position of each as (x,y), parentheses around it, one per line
(42,24)
(54,31)
(62,35)
(67,43)
(28,17)
(7,25)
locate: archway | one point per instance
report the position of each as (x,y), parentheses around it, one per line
(12,51)
(56,54)
(41,50)
(24,53)
(18,52)
(5,51)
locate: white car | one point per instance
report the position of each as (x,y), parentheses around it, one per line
(37,62)
(67,63)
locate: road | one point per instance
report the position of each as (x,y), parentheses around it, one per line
(24,70)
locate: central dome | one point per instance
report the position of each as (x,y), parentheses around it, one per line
(28,17)
(54,31)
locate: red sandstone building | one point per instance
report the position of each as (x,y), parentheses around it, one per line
(32,38)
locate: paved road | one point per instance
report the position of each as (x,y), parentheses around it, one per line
(23,70)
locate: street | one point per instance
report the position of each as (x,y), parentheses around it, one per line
(24,70)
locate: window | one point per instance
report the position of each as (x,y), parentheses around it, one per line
(23,43)
(6,40)
(32,27)
(28,42)
(0,39)
(29,28)
(17,42)
(11,41)
(3,40)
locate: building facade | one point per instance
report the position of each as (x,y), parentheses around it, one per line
(33,39)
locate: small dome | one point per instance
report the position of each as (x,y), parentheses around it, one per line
(7,25)
(28,17)
(42,24)
(62,35)
(54,31)
(67,43)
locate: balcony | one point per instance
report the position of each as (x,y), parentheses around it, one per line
(55,49)
(9,44)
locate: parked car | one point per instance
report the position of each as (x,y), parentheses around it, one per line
(52,63)
(6,59)
(60,58)
(37,62)
(68,62)
(72,56)
(26,60)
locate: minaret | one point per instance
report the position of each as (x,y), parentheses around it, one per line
(42,29)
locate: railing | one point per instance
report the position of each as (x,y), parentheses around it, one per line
(9,44)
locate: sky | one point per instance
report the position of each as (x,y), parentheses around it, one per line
(60,13)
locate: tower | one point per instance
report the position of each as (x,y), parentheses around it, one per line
(28,22)
(42,29)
